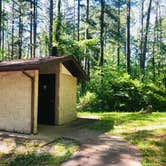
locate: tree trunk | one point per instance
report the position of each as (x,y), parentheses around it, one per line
(74,17)
(128,37)
(3,38)
(20,31)
(12,49)
(50,26)
(86,37)
(142,65)
(142,33)
(155,39)
(153,52)
(0,25)
(102,33)
(118,44)
(31,28)
(34,27)
(58,21)
(78,21)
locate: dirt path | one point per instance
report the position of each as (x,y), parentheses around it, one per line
(97,149)
(103,150)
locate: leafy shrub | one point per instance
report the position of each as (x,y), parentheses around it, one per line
(154,96)
(119,92)
(87,101)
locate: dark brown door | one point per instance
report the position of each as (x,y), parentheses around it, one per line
(46,103)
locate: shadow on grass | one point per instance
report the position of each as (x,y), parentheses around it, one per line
(108,120)
(32,159)
(153,146)
(29,152)
(102,125)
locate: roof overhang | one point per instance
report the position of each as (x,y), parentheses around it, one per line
(34,64)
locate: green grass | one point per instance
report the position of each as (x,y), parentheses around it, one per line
(146,131)
(36,152)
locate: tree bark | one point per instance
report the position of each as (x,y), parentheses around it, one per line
(0,24)
(118,44)
(50,26)
(102,33)
(128,37)
(34,27)
(142,63)
(58,21)
(155,39)
(86,59)
(31,28)
(142,32)
(12,49)
(78,21)
(20,31)
(153,51)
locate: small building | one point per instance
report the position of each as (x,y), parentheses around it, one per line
(38,91)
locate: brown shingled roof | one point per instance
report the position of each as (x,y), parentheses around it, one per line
(28,64)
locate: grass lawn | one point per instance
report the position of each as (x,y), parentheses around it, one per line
(146,131)
(26,152)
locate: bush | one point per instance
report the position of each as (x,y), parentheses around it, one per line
(88,101)
(121,93)
(154,96)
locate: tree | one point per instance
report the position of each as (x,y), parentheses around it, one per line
(12,33)
(118,43)
(144,51)
(34,26)
(78,21)
(0,24)
(20,30)
(57,24)
(102,32)
(97,33)
(155,40)
(128,36)
(31,28)
(142,30)
(50,26)
(87,63)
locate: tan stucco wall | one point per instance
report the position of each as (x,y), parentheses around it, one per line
(15,101)
(67,96)
(64,70)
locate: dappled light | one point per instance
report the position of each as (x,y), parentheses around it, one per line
(17,151)
(152,146)
(147,131)
(83,82)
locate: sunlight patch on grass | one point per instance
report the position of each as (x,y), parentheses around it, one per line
(38,152)
(146,131)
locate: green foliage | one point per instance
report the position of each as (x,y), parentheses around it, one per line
(38,152)
(37,159)
(69,47)
(32,159)
(113,90)
(155,96)
(87,100)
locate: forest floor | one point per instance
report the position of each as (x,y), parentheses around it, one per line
(95,138)
(71,144)
(146,131)
(21,150)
